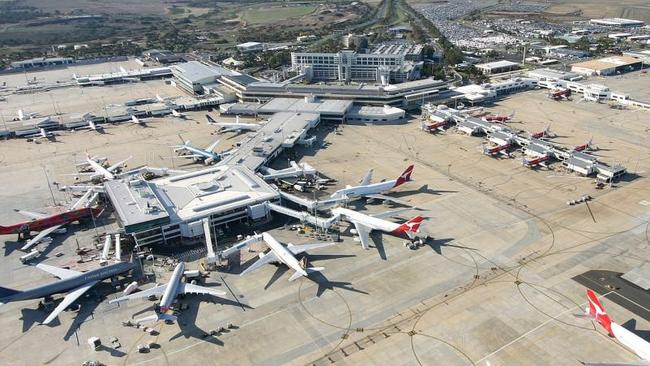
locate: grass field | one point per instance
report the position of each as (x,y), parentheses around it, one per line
(264,15)
(633,9)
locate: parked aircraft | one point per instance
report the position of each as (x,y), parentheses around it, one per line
(374,190)
(207,155)
(233,127)
(137,121)
(47,224)
(546,133)
(364,224)
(558,94)
(589,146)
(98,171)
(74,283)
(178,114)
(42,134)
(636,344)
(294,171)
(169,292)
(499,118)
(281,254)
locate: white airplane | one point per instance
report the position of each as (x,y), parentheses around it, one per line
(42,134)
(295,170)
(98,171)
(178,114)
(636,344)
(22,115)
(207,155)
(374,190)
(136,120)
(169,292)
(233,127)
(365,224)
(281,254)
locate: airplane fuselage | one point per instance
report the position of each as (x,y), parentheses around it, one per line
(203,153)
(172,288)
(68,284)
(283,254)
(372,222)
(47,222)
(100,170)
(632,341)
(357,191)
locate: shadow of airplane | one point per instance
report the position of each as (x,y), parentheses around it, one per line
(437,244)
(325,284)
(186,321)
(424,189)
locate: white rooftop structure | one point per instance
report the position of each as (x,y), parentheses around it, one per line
(617,22)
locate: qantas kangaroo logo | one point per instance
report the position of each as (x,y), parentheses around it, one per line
(405,177)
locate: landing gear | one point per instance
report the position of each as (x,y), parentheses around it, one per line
(415,243)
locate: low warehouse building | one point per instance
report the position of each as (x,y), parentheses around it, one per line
(497,67)
(607,66)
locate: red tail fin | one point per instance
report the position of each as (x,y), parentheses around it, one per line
(596,311)
(405,177)
(411,226)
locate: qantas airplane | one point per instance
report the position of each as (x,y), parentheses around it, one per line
(364,224)
(638,345)
(375,190)
(499,118)
(589,146)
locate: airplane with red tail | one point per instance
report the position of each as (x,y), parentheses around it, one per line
(542,134)
(499,149)
(589,146)
(434,127)
(559,94)
(636,344)
(374,190)
(532,163)
(364,224)
(498,118)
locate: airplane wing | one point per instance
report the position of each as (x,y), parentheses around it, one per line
(118,164)
(156,290)
(297,249)
(388,198)
(364,233)
(391,213)
(68,300)
(188,288)
(61,273)
(40,236)
(31,214)
(266,259)
(212,146)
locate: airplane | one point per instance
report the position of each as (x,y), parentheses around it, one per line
(178,114)
(496,150)
(560,93)
(589,146)
(22,115)
(98,171)
(48,224)
(533,163)
(498,118)
(636,344)
(364,224)
(434,127)
(546,133)
(375,190)
(207,155)
(136,120)
(233,127)
(280,253)
(42,134)
(295,170)
(169,292)
(74,283)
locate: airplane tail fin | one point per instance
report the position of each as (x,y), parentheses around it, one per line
(309,270)
(596,311)
(405,176)
(211,120)
(411,227)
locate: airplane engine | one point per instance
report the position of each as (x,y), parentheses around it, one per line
(208,161)
(354,231)
(261,255)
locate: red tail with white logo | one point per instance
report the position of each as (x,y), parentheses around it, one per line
(410,227)
(596,311)
(405,177)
